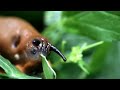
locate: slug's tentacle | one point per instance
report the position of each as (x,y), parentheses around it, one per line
(52,48)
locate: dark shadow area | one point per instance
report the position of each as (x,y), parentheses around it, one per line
(33,17)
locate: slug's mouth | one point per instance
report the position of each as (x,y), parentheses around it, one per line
(44,49)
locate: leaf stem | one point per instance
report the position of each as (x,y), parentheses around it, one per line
(93,45)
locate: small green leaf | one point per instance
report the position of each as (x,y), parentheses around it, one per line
(12,71)
(49,73)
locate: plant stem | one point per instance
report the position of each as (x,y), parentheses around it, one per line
(93,45)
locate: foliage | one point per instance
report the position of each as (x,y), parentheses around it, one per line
(77,28)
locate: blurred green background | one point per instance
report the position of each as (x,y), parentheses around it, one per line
(72,31)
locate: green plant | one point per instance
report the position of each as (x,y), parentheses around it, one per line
(79,27)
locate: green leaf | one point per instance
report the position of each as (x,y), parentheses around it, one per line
(98,57)
(49,73)
(108,62)
(12,71)
(97,25)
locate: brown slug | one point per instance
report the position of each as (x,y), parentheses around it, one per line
(22,44)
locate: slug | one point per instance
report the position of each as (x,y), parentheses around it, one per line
(22,44)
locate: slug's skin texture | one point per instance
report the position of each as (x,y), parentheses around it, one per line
(16,36)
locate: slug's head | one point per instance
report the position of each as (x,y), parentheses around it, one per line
(38,46)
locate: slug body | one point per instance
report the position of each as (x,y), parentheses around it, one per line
(22,44)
